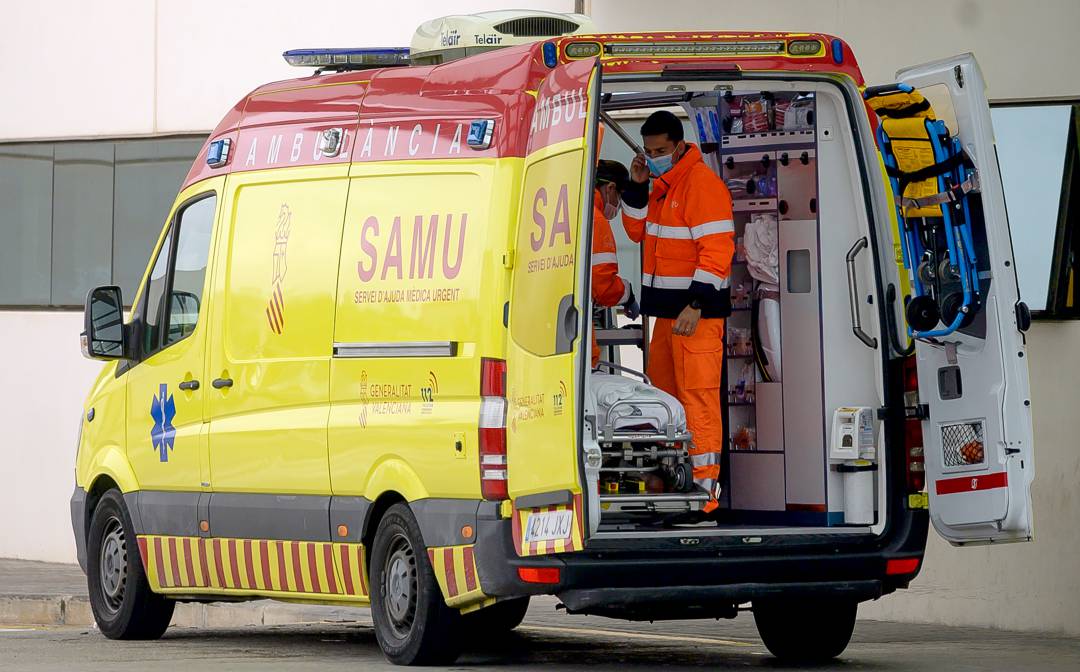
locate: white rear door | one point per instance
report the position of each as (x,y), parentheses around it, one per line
(978,442)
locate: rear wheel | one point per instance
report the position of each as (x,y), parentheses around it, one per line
(412,622)
(502,616)
(805,631)
(120,596)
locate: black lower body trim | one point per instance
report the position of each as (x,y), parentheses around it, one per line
(78,524)
(675,602)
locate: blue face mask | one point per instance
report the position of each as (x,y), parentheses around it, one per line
(658,165)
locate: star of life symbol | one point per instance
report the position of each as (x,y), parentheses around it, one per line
(163,410)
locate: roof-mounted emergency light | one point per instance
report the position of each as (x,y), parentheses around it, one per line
(348,59)
(694,48)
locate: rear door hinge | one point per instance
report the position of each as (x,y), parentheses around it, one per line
(919,412)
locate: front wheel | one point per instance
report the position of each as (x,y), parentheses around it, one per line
(120,596)
(412,622)
(805,631)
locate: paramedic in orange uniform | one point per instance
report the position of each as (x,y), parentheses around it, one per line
(608,289)
(685,225)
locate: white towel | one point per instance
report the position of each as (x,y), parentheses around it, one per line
(608,389)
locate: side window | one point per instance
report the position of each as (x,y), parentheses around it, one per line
(192,251)
(174,291)
(155,292)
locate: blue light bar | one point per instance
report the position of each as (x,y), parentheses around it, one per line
(348,59)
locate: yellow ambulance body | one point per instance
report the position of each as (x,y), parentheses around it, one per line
(354,371)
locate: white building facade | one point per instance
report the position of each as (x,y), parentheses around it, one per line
(106,104)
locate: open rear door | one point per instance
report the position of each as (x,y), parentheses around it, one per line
(549,308)
(977,439)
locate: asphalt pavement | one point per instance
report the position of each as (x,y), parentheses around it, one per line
(546,641)
(272,636)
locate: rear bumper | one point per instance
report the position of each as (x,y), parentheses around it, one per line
(622,582)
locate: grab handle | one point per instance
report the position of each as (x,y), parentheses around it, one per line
(853,295)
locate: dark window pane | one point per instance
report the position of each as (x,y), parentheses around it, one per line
(148,175)
(196,223)
(155,292)
(82,220)
(1032,165)
(25,223)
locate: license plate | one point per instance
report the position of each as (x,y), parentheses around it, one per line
(548,526)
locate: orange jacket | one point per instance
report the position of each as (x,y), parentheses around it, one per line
(689,239)
(608,289)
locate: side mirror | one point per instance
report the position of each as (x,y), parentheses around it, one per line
(103,337)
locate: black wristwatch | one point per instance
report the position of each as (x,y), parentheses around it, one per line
(695,304)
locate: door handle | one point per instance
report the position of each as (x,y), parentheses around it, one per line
(189,385)
(853,295)
(566,319)
(220,383)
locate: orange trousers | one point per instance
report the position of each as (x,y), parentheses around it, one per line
(688,368)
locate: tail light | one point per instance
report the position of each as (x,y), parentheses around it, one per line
(539,574)
(899,566)
(493,429)
(913,437)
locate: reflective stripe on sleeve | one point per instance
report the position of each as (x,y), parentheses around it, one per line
(666,281)
(663,231)
(604,258)
(708,228)
(636,213)
(711,279)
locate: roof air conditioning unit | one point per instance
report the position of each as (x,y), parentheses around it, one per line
(452,37)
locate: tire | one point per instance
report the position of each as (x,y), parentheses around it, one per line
(805,631)
(413,625)
(120,596)
(499,618)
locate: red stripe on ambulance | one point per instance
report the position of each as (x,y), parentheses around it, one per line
(951,486)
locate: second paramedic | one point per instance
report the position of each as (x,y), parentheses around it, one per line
(608,289)
(685,224)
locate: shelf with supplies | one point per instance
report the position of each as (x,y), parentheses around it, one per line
(768,140)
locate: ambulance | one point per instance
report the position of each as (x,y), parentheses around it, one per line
(357,369)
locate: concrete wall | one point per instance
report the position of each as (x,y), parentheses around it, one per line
(1033,586)
(43,383)
(141,67)
(1022,47)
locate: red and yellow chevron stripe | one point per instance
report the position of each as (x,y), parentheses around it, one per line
(254,566)
(455,570)
(574,543)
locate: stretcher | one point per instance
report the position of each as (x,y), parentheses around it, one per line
(931,177)
(644,442)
